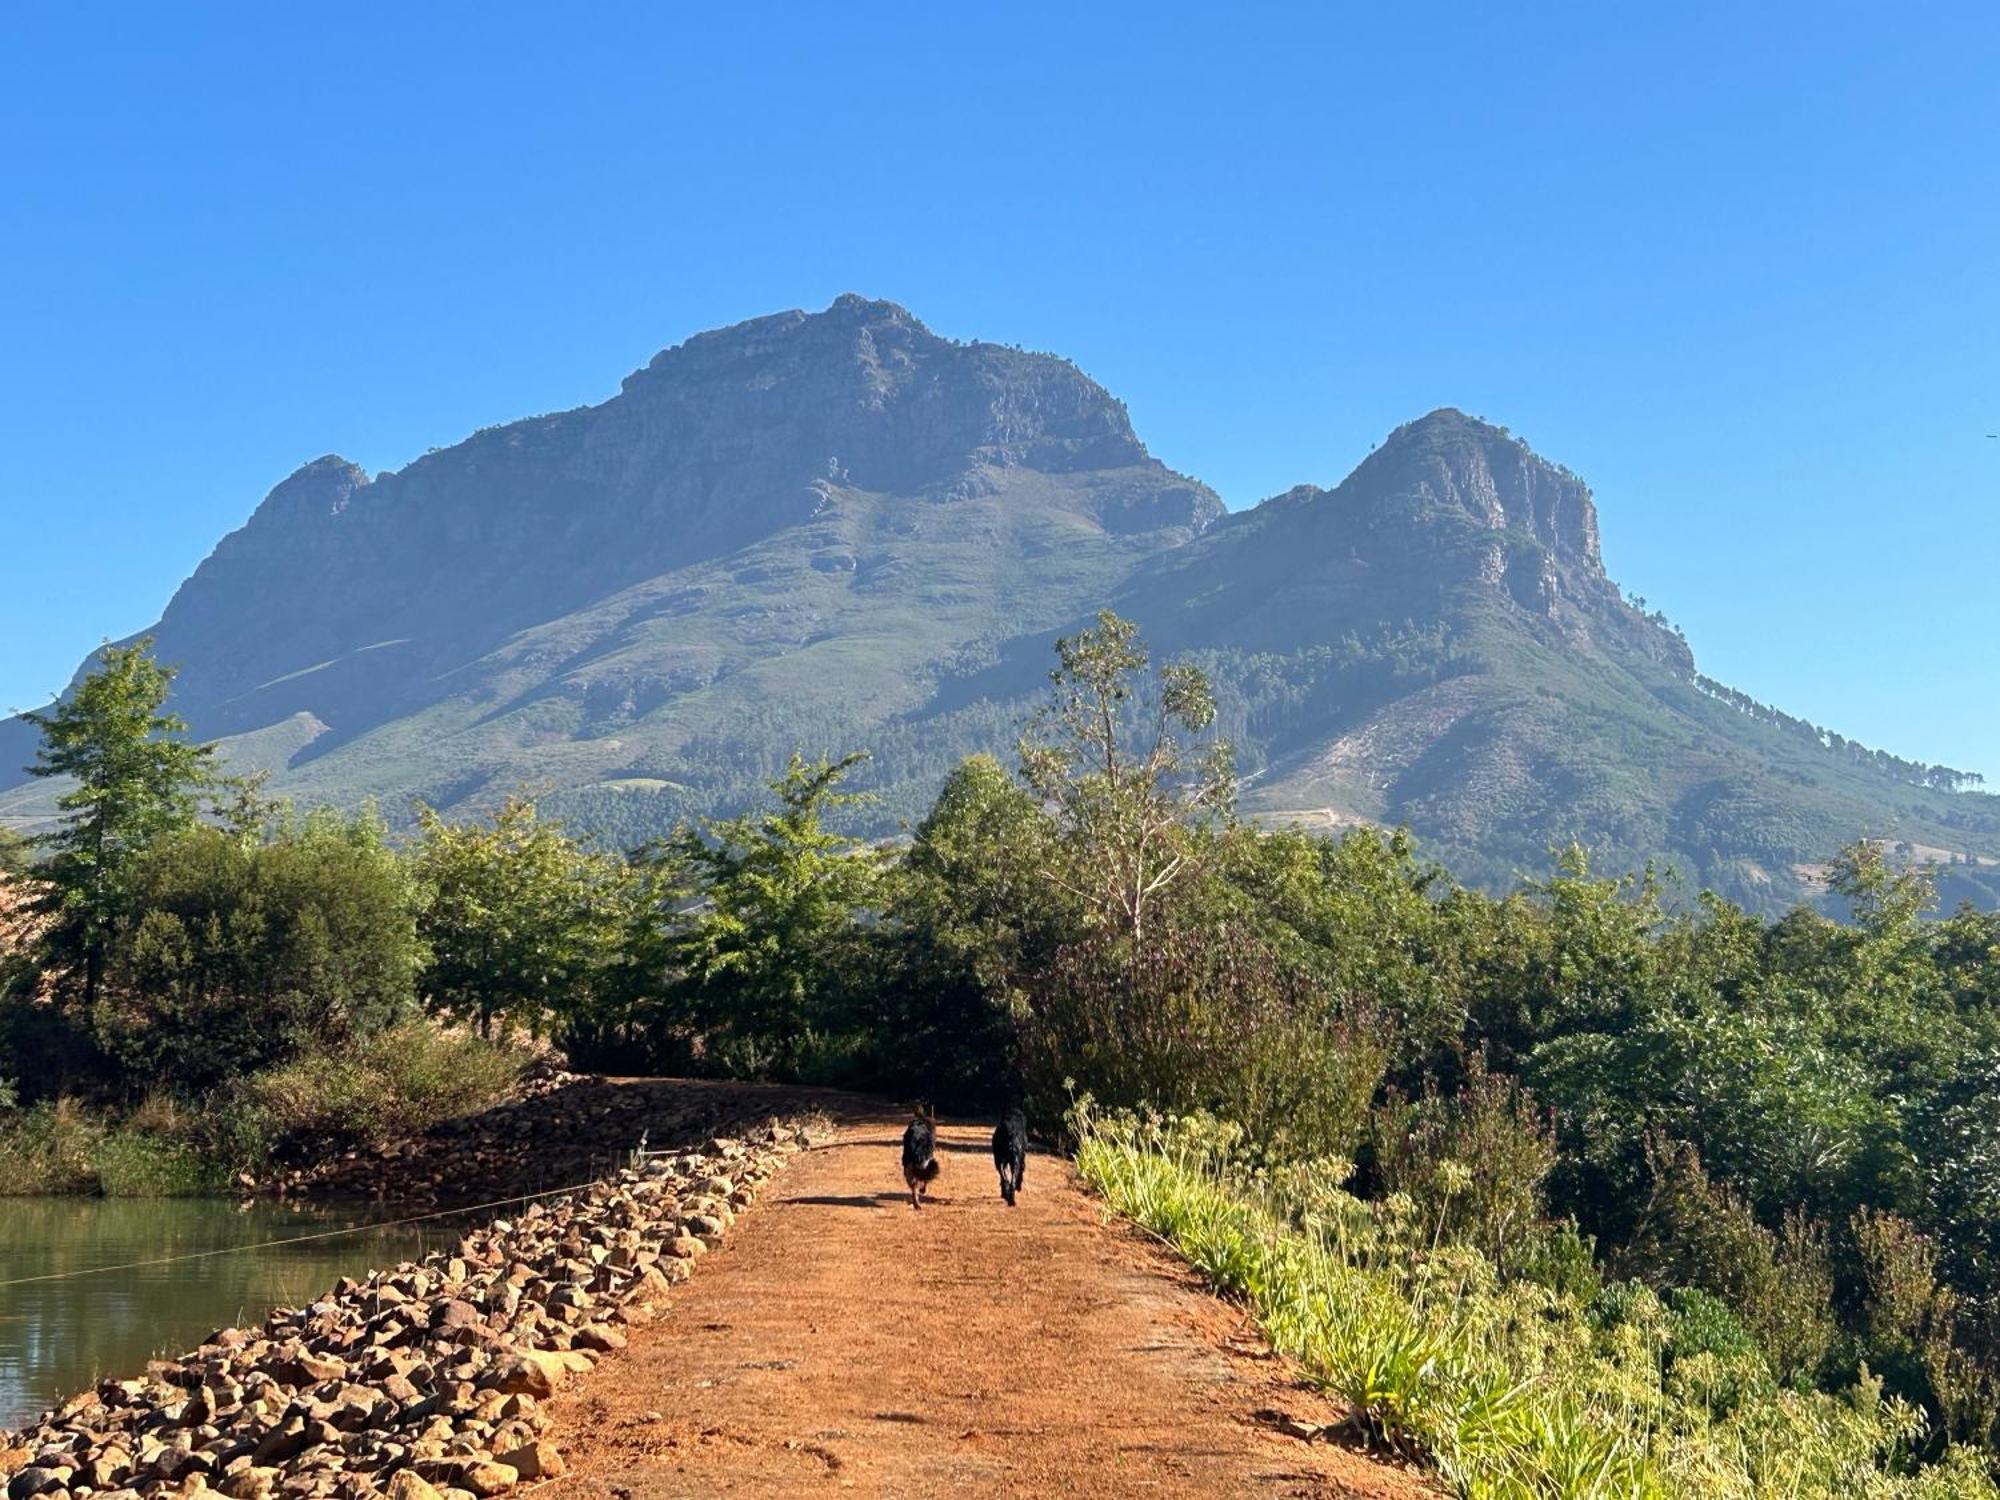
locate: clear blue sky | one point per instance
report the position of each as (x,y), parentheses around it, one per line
(1737,264)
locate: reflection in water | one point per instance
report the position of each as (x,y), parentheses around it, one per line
(60,1337)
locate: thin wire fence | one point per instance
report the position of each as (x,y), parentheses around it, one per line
(324,1234)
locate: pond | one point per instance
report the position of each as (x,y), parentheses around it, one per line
(58,1337)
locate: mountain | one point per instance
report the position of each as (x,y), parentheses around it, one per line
(840,530)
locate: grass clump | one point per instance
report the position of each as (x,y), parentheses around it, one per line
(400,1081)
(1512,1389)
(61,1147)
(48,1149)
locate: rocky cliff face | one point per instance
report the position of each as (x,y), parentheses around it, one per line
(375,589)
(1464,466)
(1449,512)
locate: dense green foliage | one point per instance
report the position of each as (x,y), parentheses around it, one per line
(762,963)
(518,921)
(248,952)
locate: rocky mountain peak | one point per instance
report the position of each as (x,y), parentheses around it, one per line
(1485,472)
(868,394)
(315,491)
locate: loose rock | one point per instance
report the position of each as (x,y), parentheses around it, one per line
(424,1382)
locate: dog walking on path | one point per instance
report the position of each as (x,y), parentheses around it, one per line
(920,1163)
(1010,1152)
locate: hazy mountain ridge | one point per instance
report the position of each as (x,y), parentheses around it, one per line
(838,530)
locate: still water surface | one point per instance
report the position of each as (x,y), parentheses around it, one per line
(60,1337)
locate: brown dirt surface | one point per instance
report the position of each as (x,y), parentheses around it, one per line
(561,1129)
(837,1340)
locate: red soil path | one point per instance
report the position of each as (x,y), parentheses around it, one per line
(840,1341)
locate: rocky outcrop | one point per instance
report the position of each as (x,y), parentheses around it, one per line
(421,1381)
(1480,471)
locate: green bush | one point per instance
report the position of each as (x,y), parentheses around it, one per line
(1697,1233)
(400,1081)
(59,1146)
(244,955)
(49,1148)
(140,1164)
(1473,1164)
(1204,1020)
(1702,1324)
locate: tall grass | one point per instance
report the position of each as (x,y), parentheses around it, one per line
(62,1147)
(1510,1390)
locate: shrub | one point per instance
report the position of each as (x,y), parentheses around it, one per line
(406,1079)
(134,1163)
(1201,1019)
(1561,1258)
(1911,1327)
(49,1149)
(1696,1233)
(246,955)
(1473,1164)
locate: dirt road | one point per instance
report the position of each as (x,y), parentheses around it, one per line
(840,1341)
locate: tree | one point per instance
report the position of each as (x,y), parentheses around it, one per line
(245,954)
(521,921)
(1128,806)
(971,918)
(765,955)
(136,777)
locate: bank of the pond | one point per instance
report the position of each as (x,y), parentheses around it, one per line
(426,1377)
(90,1286)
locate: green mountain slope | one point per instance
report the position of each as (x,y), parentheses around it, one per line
(838,530)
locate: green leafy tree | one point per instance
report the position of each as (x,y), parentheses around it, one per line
(136,777)
(1130,796)
(1371,921)
(972,919)
(521,922)
(16,852)
(247,954)
(766,955)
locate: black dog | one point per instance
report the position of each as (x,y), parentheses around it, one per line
(920,1163)
(1010,1152)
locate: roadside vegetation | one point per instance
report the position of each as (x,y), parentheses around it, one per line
(1576,1191)
(1546,1380)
